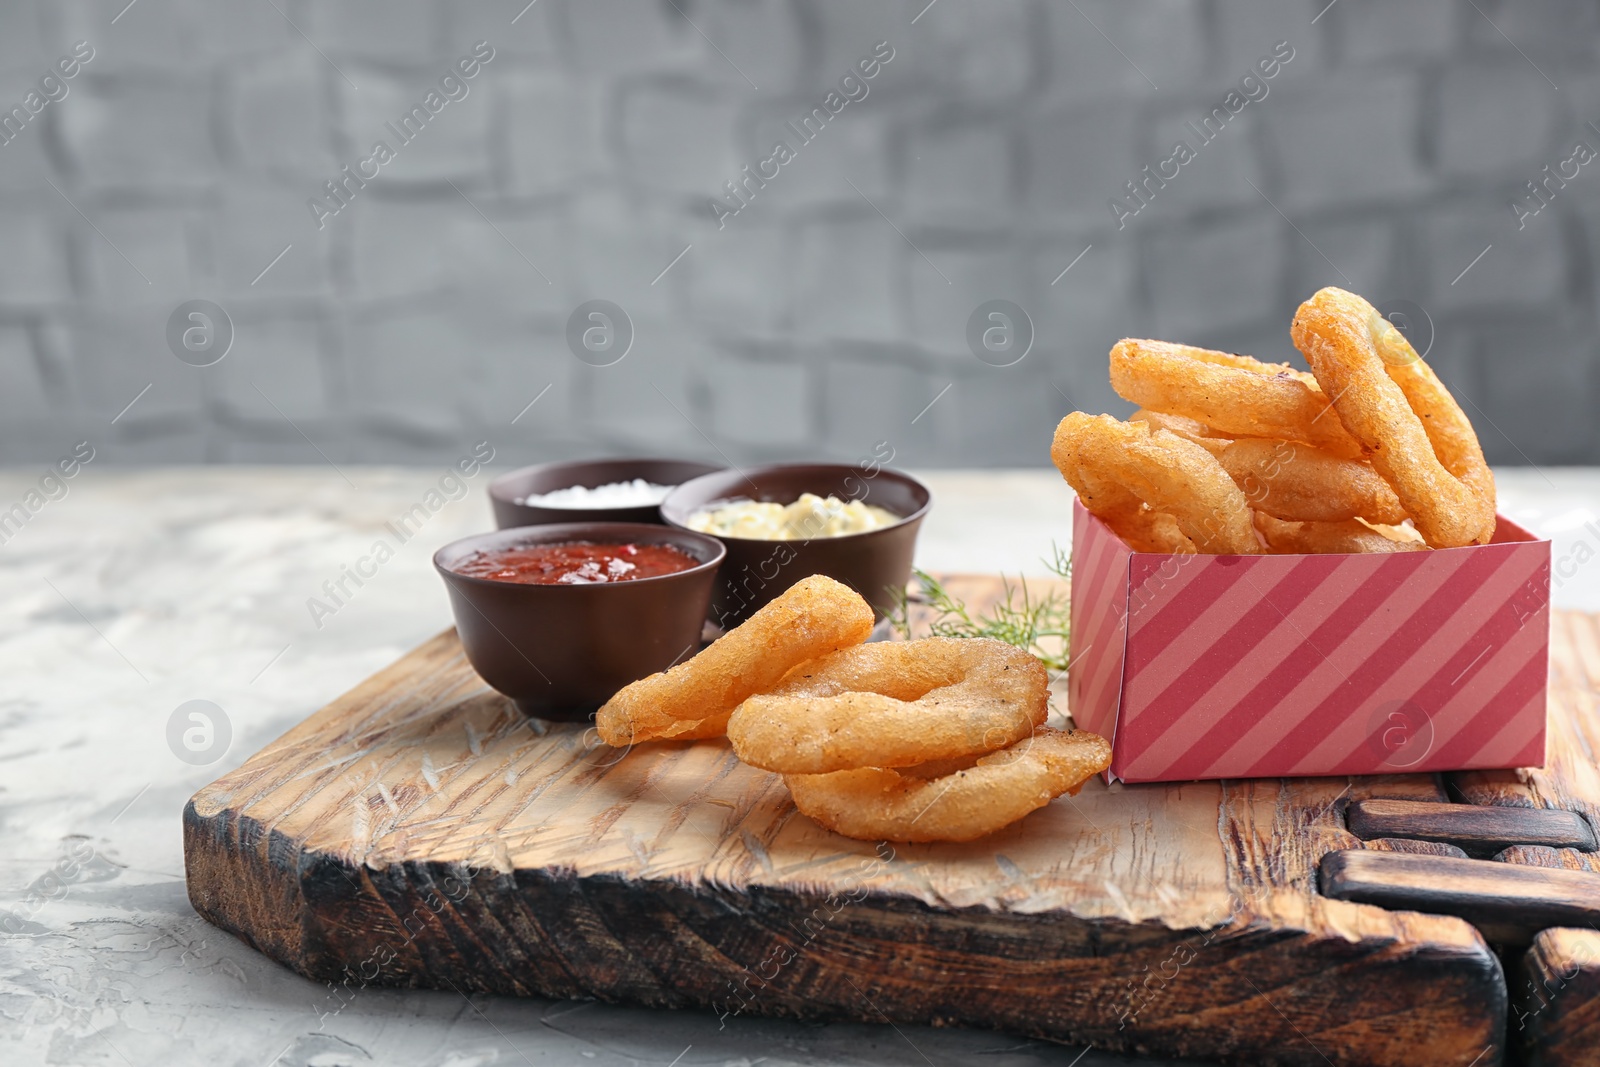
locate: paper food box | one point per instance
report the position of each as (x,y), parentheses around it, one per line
(1264,666)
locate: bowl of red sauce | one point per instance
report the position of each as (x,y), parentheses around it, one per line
(559,617)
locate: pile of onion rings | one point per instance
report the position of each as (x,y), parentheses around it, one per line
(940,739)
(1228,455)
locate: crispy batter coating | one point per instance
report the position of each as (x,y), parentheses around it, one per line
(811,618)
(875,804)
(1294,481)
(1235,395)
(1153,531)
(1390,401)
(1115,465)
(894,704)
(1307,538)
(1144,529)
(1188,429)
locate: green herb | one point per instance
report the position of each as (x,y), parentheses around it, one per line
(1039,624)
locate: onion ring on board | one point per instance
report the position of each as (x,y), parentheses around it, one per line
(894,704)
(877,804)
(811,618)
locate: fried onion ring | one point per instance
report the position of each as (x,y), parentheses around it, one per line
(1311,538)
(1398,532)
(811,618)
(1188,429)
(1143,529)
(1235,395)
(877,804)
(1294,481)
(1114,464)
(1152,531)
(1392,403)
(893,704)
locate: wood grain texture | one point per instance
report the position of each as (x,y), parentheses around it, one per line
(1555,990)
(1509,903)
(1475,829)
(1556,1000)
(1544,856)
(1417,848)
(418,832)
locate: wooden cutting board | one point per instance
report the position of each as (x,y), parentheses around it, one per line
(419,832)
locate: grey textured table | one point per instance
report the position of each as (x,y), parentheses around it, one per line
(139,591)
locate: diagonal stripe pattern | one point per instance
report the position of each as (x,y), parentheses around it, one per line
(1233,666)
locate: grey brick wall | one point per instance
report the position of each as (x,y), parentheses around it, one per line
(831,311)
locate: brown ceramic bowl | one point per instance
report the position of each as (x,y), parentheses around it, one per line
(506,490)
(874,563)
(560,651)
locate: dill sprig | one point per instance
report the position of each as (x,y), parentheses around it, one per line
(1039,624)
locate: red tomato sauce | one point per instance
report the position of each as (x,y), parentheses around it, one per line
(575,563)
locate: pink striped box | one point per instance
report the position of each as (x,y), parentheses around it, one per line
(1269,666)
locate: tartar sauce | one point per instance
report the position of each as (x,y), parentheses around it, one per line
(810,516)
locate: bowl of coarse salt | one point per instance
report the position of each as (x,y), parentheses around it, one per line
(592,490)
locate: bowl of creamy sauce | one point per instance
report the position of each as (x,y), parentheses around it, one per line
(856,523)
(808,517)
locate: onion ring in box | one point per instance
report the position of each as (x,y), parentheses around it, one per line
(1294,481)
(1235,395)
(811,618)
(1310,538)
(1390,400)
(1141,528)
(894,704)
(878,804)
(1112,463)
(1398,532)
(1188,429)
(1153,531)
